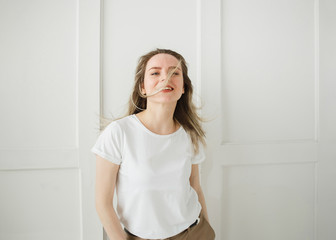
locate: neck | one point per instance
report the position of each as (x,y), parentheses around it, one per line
(159,118)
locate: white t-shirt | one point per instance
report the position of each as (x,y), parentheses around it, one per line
(155,199)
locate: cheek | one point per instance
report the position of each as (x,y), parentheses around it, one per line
(149,85)
(179,83)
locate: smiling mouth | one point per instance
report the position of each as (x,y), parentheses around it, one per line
(168,88)
(159,90)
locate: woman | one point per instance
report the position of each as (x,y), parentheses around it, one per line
(151,156)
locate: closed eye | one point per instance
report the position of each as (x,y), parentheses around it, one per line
(157,73)
(174,73)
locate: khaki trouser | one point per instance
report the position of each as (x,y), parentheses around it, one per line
(201,231)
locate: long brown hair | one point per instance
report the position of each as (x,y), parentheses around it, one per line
(185,111)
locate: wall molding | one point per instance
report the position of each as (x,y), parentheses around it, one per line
(27,159)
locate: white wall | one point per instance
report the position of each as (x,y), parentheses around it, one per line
(47,119)
(265,71)
(326,187)
(271,155)
(39,177)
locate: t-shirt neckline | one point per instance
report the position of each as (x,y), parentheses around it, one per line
(152,133)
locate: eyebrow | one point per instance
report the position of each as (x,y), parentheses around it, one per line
(168,68)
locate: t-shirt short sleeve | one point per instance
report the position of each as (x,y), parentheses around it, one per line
(109,144)
(200,156)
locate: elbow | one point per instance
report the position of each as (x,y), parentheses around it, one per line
(101,203)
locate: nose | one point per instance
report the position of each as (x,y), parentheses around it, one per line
(164,77)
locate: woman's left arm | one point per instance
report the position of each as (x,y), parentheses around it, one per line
(195,184)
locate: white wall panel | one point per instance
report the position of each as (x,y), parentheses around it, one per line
(268,70)
(327,151)
(268,202)
(262,90)
(39,150)
(40,204)
(38,74)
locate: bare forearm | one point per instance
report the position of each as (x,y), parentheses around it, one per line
(111,222)
(201,199)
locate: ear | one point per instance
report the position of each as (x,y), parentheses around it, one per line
(142,88)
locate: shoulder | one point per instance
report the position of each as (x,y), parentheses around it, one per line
(125,120)
(113,129)
(119,124)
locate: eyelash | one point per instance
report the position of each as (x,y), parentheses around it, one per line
(156,73)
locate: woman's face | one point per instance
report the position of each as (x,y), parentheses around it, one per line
(156,73)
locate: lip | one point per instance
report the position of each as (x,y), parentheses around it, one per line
(167,91)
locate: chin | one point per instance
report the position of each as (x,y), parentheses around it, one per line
(165,101)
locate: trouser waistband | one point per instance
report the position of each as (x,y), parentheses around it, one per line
(137,236)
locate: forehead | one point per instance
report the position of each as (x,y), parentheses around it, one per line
(162,60)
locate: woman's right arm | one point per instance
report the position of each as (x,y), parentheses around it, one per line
(106,175)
